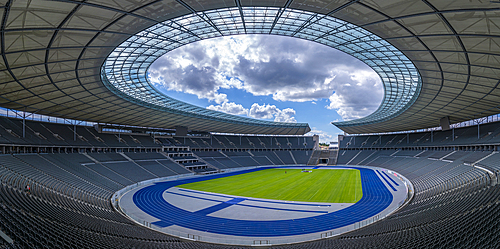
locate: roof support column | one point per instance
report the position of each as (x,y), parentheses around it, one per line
(181,131)
(24,123)
(478,134)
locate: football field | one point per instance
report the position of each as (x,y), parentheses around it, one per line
(320,185)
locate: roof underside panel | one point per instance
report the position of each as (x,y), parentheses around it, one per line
(454,46)
(53,53)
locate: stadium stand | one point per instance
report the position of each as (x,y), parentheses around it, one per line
(473,137)
(450,188)
(77,185)
(451,197)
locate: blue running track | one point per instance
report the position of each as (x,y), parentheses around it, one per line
(376,197)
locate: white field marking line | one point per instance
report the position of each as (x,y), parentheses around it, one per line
(355,190)
(283,202)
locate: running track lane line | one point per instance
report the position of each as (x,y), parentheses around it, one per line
(390,178)
(388,183)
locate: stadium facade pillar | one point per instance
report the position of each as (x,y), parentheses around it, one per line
(98,127)
(478,132)
(316,142)
(24,123)
(445,123)
(181,131)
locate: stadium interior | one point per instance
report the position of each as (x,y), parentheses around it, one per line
(61,60)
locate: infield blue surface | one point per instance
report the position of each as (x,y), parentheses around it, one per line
(376,197)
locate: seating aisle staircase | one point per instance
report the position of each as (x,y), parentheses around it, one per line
(313,160)
(190,161)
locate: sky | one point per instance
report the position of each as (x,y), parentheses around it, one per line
(272,78)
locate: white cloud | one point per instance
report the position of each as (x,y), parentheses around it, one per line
(230,107)
(359,98)
(202,81)
(265,111)
(284,68)
(285,115)
(262,111)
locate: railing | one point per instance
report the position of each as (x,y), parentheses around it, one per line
(261,242)
(194,237)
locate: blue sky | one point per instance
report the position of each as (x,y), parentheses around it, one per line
(272,78)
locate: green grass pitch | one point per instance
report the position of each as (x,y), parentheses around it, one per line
(321,185)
